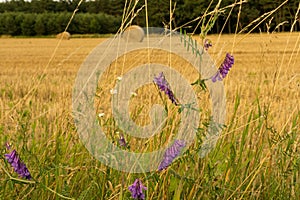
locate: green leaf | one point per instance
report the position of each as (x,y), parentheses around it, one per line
(201,83)
(173,184)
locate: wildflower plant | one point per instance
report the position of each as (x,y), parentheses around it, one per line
(136,190)
(140,162)
(164,86)
(224,68)
(171,153)
(207,44)
(21,169)
(122,141)
(14,160)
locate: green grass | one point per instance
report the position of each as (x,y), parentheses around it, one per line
(252,160)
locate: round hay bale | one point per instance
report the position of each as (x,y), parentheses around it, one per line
(63,35)
(133,33)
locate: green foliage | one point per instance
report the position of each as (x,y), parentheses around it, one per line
(40,26)
(30,24)
(106,15)
(11,23)
(27,25)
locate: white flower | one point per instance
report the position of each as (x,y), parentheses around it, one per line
(113,91)
(133,94)
(101,114)
(119,78)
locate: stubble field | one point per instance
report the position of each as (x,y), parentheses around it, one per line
(257,155)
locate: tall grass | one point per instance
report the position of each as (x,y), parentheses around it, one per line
(256,157)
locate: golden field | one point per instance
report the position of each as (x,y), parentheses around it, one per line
(256,158)
(267,66)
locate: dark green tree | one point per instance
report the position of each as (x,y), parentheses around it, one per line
(40,25)
(51,23)
(27,25)
(9,24)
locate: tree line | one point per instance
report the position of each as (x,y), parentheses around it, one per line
(31,24)
(46,17)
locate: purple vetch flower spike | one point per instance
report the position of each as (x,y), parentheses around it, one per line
(224,68)
(164,86)
(171,153)
(122,141)
(207,44)
(136,189)
(14,160)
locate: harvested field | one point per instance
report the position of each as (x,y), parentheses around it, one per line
(267,66)
(257,156)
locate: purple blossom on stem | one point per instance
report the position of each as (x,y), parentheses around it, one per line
(122,141)
(164,86)
(224,68)
(136,189)
(19,167)
(207,44)
(171,153)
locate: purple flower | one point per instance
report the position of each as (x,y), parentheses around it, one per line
(207,44)
(171,153)
(122,141)
(164,86)
(136,189)
(224,69)
(19,167)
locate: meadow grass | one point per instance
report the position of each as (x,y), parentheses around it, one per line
(256,157)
